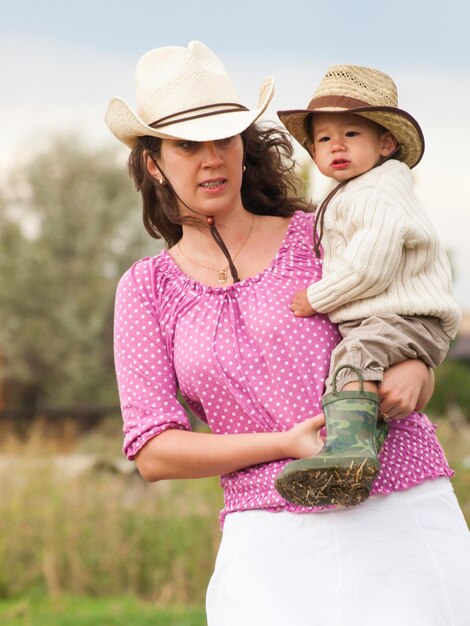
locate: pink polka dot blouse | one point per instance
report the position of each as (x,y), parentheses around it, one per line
(243,363)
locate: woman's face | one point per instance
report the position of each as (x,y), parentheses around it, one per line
(207,175)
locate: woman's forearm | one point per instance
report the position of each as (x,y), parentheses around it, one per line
(426,390)
(182,454)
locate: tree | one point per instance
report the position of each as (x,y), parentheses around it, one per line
(70,226)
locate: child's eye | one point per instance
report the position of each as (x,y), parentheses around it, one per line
(323,139)
(352,133)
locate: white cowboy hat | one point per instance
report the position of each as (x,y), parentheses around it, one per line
(366,92)
(183,93)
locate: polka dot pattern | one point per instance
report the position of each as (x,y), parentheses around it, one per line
(243,363)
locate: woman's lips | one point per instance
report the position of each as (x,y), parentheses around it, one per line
(213,185)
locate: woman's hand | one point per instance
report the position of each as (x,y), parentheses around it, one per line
(406,387)
(304,439)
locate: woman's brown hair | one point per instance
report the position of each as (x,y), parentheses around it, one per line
(270,185)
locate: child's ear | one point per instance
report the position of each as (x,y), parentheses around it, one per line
(389,144)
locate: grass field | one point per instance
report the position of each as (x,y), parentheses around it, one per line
(100,547)
(72,611)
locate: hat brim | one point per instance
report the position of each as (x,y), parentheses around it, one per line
(127,125)
(400,123)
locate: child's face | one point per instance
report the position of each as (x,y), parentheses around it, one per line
(347,145)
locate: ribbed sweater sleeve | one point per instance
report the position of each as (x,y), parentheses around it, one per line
(370,259)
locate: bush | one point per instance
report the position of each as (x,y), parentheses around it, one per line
(452,389)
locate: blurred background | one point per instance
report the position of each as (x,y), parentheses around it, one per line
(83,540)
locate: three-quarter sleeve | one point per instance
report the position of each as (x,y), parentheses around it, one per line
(145,374)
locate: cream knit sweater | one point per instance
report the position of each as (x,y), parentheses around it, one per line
(382,254)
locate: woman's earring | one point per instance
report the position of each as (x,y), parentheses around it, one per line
(162,181)
(244,169)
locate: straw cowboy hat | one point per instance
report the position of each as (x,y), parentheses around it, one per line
(366,92)
(184,93)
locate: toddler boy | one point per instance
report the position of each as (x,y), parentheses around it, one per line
(386,278)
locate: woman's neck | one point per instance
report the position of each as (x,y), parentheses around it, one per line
(253,244)
(234,228)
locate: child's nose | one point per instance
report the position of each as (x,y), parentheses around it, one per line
(337,144)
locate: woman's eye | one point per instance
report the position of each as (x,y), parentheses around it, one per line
(187,145)
(225,142)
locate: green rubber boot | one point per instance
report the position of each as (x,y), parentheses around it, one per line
(343,472)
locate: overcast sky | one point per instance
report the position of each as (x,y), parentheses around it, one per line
(61,62)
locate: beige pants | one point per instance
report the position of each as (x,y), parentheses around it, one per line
(376,343)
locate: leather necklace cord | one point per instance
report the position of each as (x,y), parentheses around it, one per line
(320,213)
(319,219)
(222,273)
(210,222)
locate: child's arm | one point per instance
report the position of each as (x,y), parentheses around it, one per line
(300,306)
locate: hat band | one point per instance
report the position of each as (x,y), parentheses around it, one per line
(344,102)
(175,118)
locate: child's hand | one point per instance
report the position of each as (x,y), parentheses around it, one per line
(300,306)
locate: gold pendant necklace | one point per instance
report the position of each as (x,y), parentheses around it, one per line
(221,274)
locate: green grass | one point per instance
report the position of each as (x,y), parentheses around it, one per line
(103,535)
(107,549)
(100,533)
(75,611)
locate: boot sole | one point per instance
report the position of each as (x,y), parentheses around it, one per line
(339,485)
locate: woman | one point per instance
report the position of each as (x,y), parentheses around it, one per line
(210,317)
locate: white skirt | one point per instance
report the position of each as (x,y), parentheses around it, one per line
(396,560)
